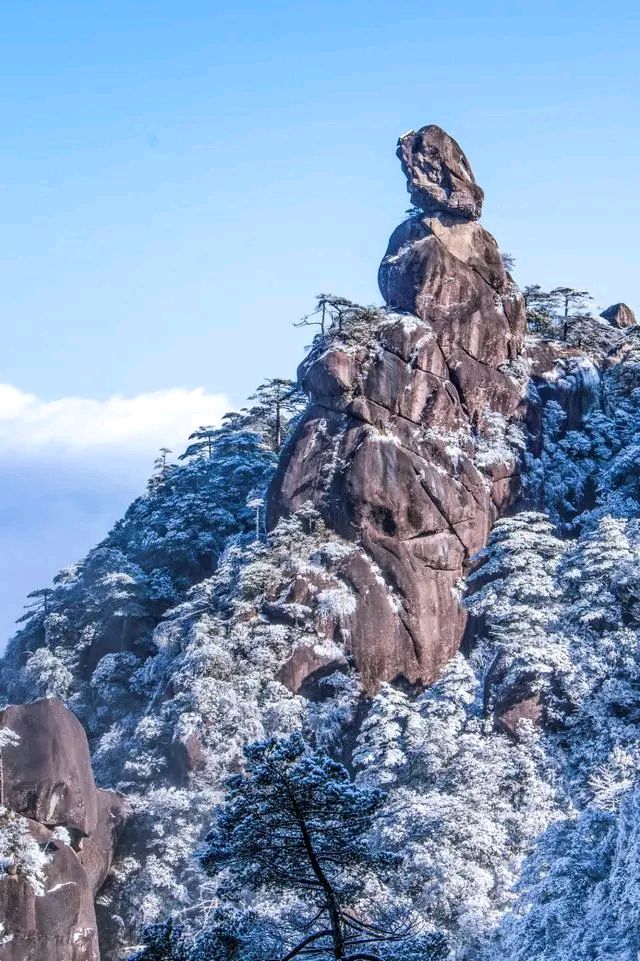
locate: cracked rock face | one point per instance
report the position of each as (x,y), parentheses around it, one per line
(59,925)
(439,176)
(48,780)
(409,446)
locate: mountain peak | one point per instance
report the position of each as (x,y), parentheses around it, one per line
(439,176)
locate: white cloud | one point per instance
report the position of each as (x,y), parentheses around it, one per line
(70,467)
(32,426)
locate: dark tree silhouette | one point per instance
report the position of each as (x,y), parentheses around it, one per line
(278,400)
(40,603)
(540,306)
(203,440)
(331,311)
(570,300)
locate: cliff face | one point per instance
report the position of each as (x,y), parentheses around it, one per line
(48,913)
(409,446)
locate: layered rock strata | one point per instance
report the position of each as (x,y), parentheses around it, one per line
(409,446)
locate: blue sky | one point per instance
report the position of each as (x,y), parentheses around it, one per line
(178,180)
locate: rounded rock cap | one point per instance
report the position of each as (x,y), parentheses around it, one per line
(47,775)
(619,315)
(439,176)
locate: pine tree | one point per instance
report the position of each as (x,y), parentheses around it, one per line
(278,400)
(540,306)
(203,443)
(40,603)
(379,753)
(571,300)
(514,594)
(295,824)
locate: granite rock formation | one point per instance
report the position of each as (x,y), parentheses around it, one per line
(410,446)
(619,315)
(48,780)
(439,176)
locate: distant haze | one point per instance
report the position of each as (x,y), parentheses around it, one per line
(70,468)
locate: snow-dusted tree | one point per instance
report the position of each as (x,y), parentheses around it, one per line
(161,469)
(464,803)
(512,585)
(202,443)
(379,753)
(8,739)
(40,602)
(540,306)
(514,593)
(579,890)
(48,673)
(296,825)
(589,569)
(342,320)
(277,402)
(331,310)
(571,301)
(592,333)
(20,853)
(566,468)
(440,716)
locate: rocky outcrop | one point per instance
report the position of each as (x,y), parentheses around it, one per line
(48,781)
(512,693)
(571,372)
(97,850)
(49,778)
(439,176)
(567,376)
(59,925)
(619,315)
(409,445)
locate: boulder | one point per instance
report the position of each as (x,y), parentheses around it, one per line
(512,694)
(59,925)
(564,374)
(48,777)
(619,315)
(308,665)
(439,176)
(97,851)
(508,718)
(48,780)
(188,755)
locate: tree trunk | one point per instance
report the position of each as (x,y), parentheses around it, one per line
(278,426)
(333,908)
